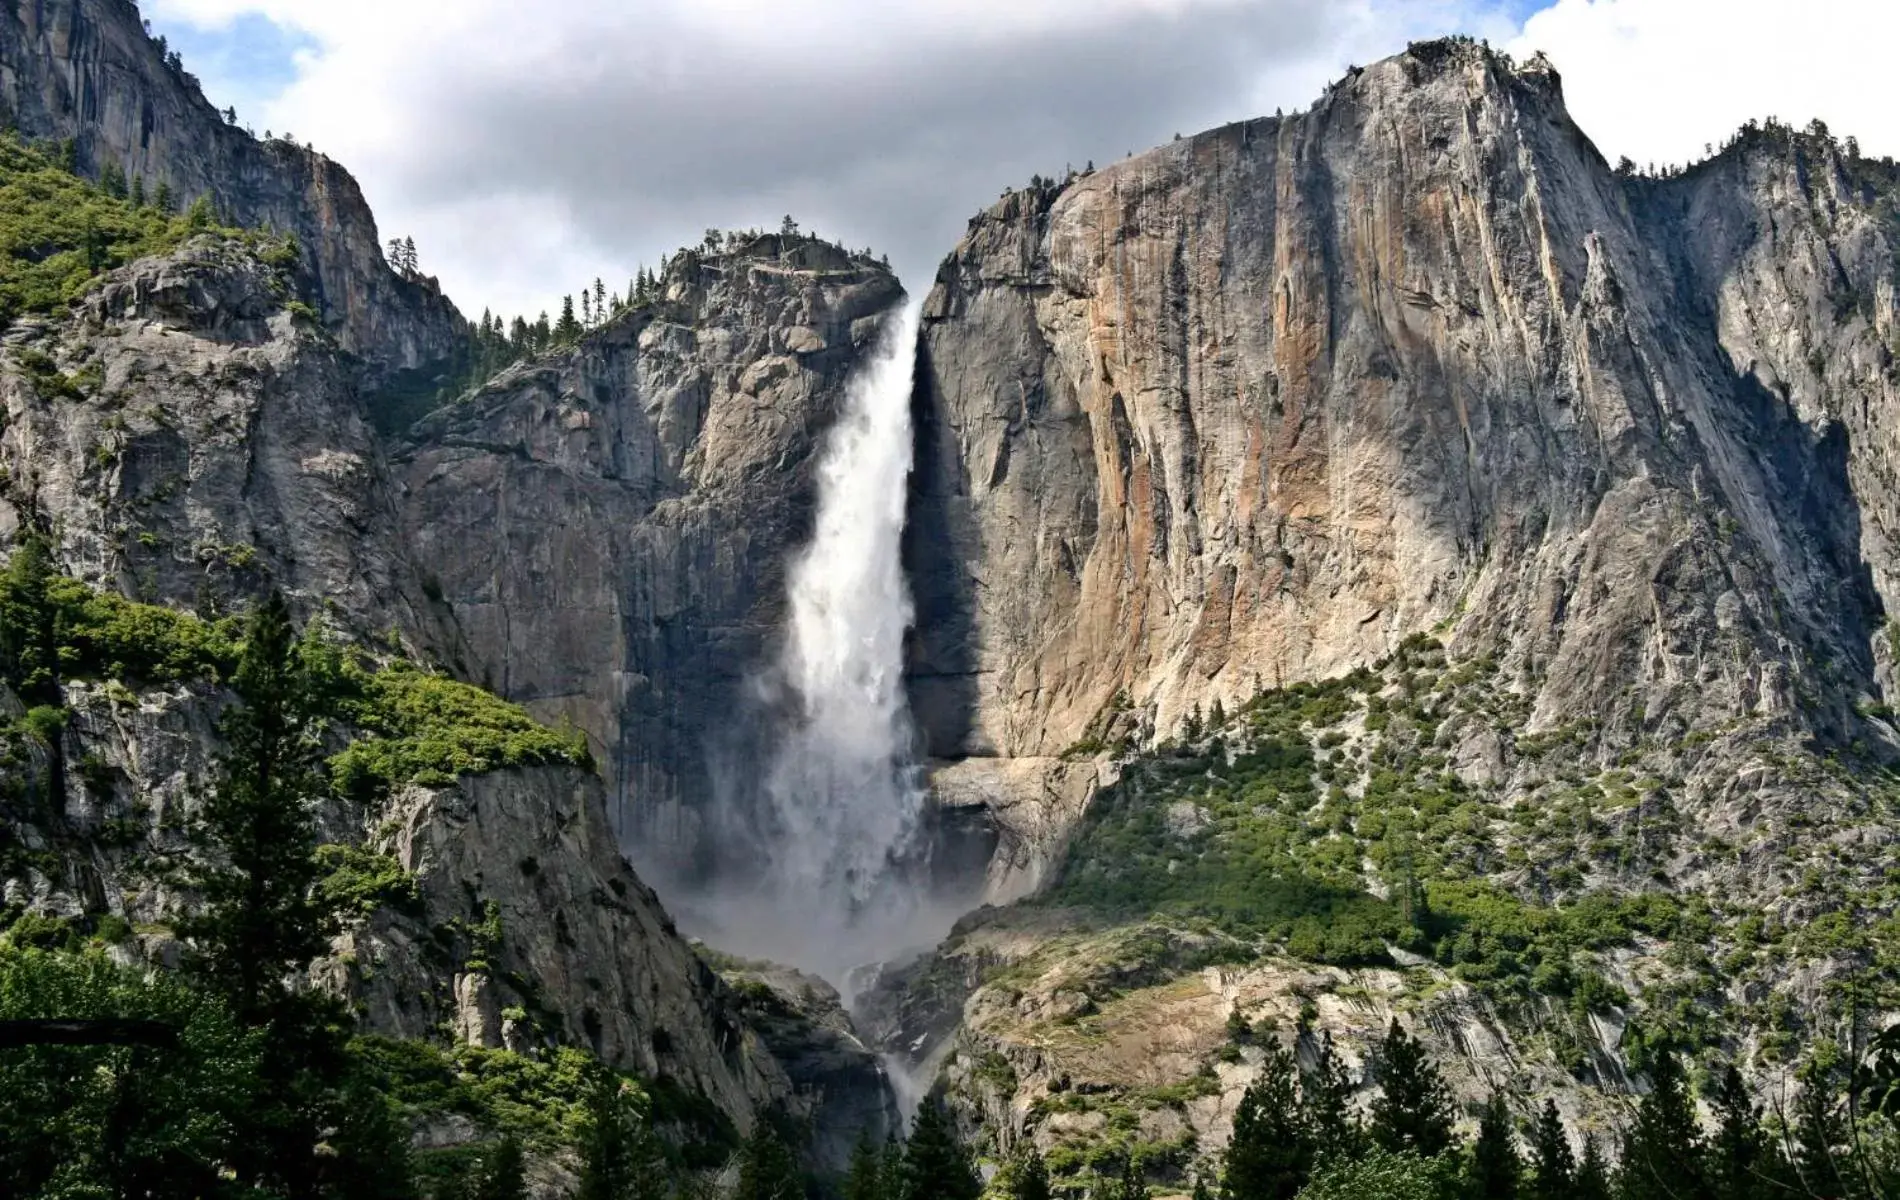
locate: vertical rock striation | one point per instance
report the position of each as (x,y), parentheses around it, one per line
(1253,407)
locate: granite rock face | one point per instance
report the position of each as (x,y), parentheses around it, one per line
(610,524)
(87,70)
(1253,407)
(186,438)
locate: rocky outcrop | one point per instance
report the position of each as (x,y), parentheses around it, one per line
(610,524)
(838,1082)
(88,71)
(1252,407)
(186,436)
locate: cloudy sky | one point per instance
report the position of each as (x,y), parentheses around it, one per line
(530,148)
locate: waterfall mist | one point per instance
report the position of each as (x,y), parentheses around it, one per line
(824,852)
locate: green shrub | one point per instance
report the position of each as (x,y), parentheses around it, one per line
(363,881)
(428,729)
(58,232)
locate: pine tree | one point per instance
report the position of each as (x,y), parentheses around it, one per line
(1821,1136)
(503,1174)
(1269,1157)
(767,1170)
(567,328)
(600,300)
(1553,1167)
(1662,1152)
(587,309)
(1739,1152)
(620,1157)
(29,630)
(409,260)
(138,191)
(1133,1181)
(1493,1170)
(865,1180)
(1026,1176)
(1332,1127)
(262,916)
(1592,1180)
(162,199)
(1413,1110)
(936,1164)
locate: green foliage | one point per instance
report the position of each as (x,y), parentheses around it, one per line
(1662,1150)
(361,881)
(1553,1168)
(1381,1175)
(1413,1112)
(1494,1170)
(428,729)
(621,1159)
(543,1102)
(1024,1177)
(1270,1156)
(58,232)
(263,913)
(936,1162)
(119,1120)
(1327,1117)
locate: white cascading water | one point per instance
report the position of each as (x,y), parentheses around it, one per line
(838,809)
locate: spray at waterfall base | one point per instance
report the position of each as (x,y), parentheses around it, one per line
(821,849)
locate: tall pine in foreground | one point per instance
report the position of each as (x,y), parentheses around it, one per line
(936,1165)
(1493,1170)
(1553,1166)
(1268,1157)
(767,1170)
(1326,1112)
(621,1158)
(262,917)
(1662,1151)
(1412,1114)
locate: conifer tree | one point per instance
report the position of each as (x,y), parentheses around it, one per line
(1413,1110)
(865,1179)
(1132,1183)
(936,1164)
(1026,1176)
(1592,1181)
(1662,1151)
(1553,1166)
(503,1174)
(1493,1170)
(262,916)
(162,198)
(1268,1157)
(587,309)
(29,632)
(620,1157)
(767,1170)
(567,328)
(1738,1152)
(1331,1125)
(409,260)
(138,191)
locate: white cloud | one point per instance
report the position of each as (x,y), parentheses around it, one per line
(529,148)
(1657,80)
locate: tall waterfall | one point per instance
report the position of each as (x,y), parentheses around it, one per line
(834,814)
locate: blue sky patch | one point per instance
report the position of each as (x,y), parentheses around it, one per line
(244,62)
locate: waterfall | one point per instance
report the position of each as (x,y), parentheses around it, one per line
(833,816)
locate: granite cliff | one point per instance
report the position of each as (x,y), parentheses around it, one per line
(87,70)
(1253,407)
